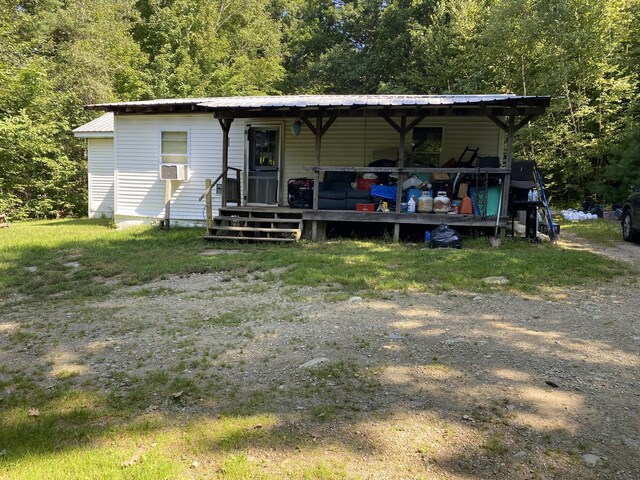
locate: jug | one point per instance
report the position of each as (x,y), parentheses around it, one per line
(441,203)
(425,203)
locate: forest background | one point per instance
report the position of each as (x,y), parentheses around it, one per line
(56,56)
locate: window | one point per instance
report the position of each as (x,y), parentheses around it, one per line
(174,147)
(426,146)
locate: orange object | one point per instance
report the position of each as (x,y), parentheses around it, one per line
(466,208)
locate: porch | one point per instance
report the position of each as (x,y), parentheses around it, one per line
(285,224)
(403,114)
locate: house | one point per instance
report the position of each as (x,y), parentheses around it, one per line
(153,160)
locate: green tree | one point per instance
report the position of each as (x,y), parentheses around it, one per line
(212,48)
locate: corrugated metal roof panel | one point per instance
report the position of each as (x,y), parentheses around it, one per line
(103,124)
(311,101)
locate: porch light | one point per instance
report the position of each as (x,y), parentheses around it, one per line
(296,127)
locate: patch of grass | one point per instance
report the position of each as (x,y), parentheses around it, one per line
(109,258)
(604,232)
(495,445)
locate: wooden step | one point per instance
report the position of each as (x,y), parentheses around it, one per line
(249,239)
(257,219)
(254,229)
(241,224)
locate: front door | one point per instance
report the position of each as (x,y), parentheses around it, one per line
(263,162)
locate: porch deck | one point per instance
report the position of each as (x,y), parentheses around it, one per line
(309,214)
(278,223)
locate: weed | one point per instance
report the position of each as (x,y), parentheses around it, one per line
(495,445)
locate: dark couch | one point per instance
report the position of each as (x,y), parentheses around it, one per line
(335,192)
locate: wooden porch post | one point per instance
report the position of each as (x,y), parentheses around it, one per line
(209,207)
(511,132)
(510,128)
(318,130)
(402,130)
(316,178)
(403,134)
(225,124)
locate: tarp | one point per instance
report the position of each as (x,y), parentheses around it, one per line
(384,191)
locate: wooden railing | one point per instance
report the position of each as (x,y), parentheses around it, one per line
(231,191)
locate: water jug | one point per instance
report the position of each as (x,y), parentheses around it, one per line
(411,205)
(425,203)
(441,203)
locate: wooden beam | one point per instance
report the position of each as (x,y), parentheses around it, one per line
(391,122)
(503,126)
(524,121)
(327,125)
(225,124)
(309,125)
(414,123)
(507,178)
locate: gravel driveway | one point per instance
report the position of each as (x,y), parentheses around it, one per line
(396,385)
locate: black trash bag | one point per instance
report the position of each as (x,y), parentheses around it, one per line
(445,237)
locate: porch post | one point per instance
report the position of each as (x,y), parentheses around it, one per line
(511,131)
(225,124)
(316,187)
(318,130)
(403,133)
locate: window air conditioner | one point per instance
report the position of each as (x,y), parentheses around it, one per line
(174,171)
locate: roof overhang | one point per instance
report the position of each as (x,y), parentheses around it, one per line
(93,134)
(101,127)
(287,106)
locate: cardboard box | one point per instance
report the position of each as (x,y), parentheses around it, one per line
(439,177)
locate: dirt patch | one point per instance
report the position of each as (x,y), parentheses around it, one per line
(622,251)
(452,385)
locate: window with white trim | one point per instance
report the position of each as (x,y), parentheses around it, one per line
(174,147)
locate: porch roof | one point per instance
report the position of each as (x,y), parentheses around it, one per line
(348,105)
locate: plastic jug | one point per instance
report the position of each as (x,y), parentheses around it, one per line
(441,203)
(466,207)
(411,205)
(425,203)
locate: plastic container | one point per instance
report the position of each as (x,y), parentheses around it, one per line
(441,203)
(411,205)
(466,207)
(424,203)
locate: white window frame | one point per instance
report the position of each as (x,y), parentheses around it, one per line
(187,155)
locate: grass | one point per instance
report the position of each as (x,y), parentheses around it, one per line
(113,430)
(33,257)
(603,232)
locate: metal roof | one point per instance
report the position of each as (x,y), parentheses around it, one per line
(100,127)
(310,101)
(296,102)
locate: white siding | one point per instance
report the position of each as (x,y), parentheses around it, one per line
(140,192)
(352,141)
(100,168)
(349,142)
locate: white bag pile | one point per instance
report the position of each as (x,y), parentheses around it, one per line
(577,216)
